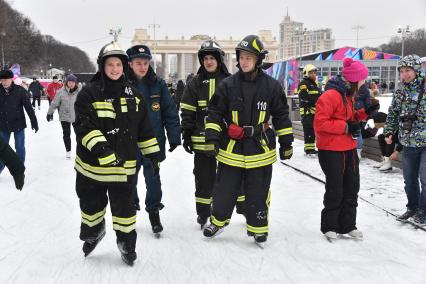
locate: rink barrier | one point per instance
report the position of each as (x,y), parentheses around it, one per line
(371,149)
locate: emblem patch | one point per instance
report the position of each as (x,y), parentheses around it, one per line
(155,106)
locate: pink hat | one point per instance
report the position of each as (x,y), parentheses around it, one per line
(354,71)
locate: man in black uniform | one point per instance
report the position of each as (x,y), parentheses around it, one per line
(244,143)
(196,97)
(309,93)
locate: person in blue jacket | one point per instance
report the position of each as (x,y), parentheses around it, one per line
(164,118)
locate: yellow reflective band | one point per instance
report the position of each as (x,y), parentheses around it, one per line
(213,126)
(92,223)
(303,87)
(284,131)
(123,102)
(130,167)
(105,113)
(124,229)
(123,108)
(150,150)
(102,178)
(188,107)
(124,221)
(288,152)
(202,103)
(207,201)
(235,117)
(241,198)
(257,230)
(212,88)
(198,139)
(262,115)
(106,160)
(265,146)
(94,216)
(206,147)
(310,146)
(243,165)
(231,145)
(148,143)
(302,110)
(89,136)
(254,44)
(94,141)
(219,223)
(251,158)
(103,105)
(313,92)
(100,170)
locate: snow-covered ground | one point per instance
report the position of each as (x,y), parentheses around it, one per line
(39,230)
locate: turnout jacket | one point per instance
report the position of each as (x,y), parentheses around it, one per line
(111,124)
(196,97)
(309,92)
(246,101)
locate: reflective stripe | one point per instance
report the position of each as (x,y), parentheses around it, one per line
(241,198)
(124,229)
(257,230)
(284,131)
(92,220)
(265,145)
(231,145)
(147,143)
(313,92)
(205,147)
(104,174)
(124,221)
(202,103)
(309,146)
(235,117)
(188,107)
(94,141)
(198,139)
(212,88)
(91,135)
(207,201)
(92,223)
(103,105)
(262,115)
(137,103)
(213,126)
(247,162)
(288,152)
(106,160)
(130,167)
(106,113)
(123,102)
(219,223)
(150,150)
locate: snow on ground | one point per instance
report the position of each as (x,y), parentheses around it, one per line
(39,230)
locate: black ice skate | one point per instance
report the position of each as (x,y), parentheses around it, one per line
(419,218)
(154,218)
(260,239)
(128,255)
(404,217)
(212,231)
(202,221)
(90,244)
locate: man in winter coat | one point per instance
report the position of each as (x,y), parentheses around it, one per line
(52,88)
(111,121)
(36,90)
(244,142)
(164,117)
(13,100)
(407,117)
(309,92)
(194,105)
(64,101)
(14,164)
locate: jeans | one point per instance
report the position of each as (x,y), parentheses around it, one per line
(19,144)
(413,168)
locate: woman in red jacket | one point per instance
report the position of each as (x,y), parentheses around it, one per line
(337,127)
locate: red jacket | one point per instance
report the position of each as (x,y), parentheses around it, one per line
(330,122)
(52,88)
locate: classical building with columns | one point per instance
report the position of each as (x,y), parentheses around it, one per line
(179,56)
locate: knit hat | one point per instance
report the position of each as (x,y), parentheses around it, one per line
(6,74)
(71,77)
(139,51)
(413,61)
(354,71)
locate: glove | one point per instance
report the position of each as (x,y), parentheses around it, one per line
(286,152)
(187,144)
(213,152)
(155,166)
(117,163)
(34,127)
(19,181)
(49,117)
(172,147)
(353,128)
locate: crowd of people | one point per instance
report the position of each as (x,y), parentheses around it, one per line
(231,123)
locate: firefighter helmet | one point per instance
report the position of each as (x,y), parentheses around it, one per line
(253,45)
(111,49)
(308,68)
(211,47)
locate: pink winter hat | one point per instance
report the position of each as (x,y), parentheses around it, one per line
(354,71)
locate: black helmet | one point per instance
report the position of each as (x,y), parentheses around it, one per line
(111,49)
(253,45)
(211,47)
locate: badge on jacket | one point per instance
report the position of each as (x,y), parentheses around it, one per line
(155,106)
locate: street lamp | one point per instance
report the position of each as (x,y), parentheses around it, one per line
(2,34)
(300,34)
(154,26)
(50,69)
(403,31)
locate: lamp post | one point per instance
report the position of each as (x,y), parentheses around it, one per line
(357,28)
(154,26)
(2,34)
(50,69)
(403,31)
(300,34)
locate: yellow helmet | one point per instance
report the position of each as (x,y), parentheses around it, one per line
(308,68)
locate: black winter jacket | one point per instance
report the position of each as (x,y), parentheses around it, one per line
(309,92)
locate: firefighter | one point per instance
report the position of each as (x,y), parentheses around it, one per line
(309,92)
(111,121)
(243,140)
(195,100)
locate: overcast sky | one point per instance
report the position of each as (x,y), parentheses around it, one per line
(85,23)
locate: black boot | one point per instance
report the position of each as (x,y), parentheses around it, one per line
(154,218)
(260,238)
(202,221)
(212,231)
(128,254)
(404,217)
(91,243)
